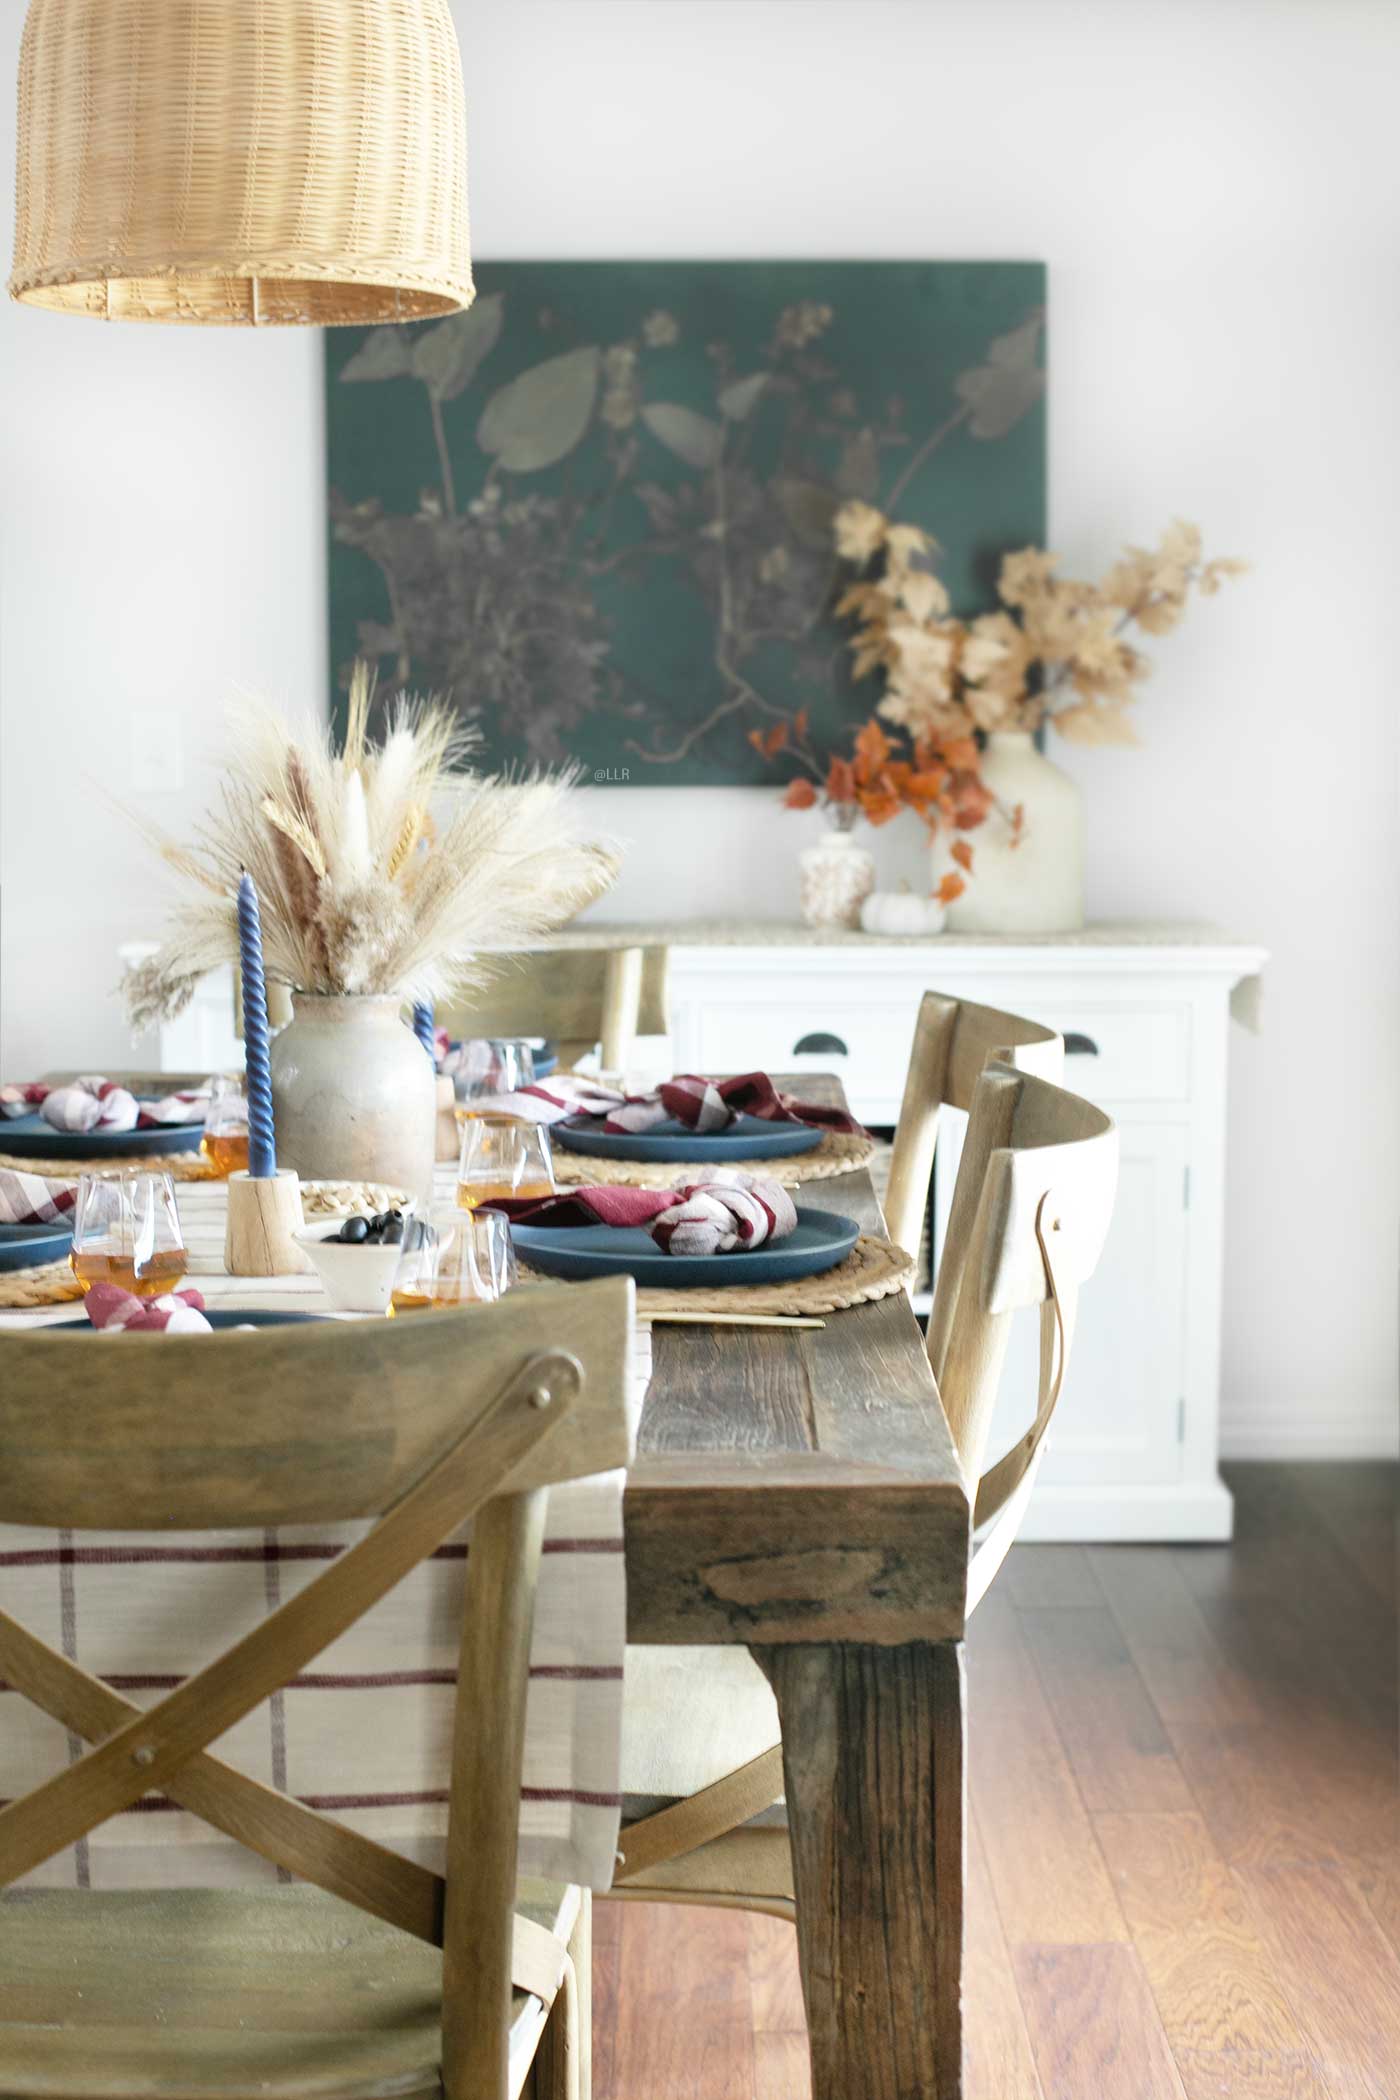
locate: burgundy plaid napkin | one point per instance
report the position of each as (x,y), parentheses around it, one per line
(28,1199)
(718,1214)
(707,1105)
(115,1311)
(95,1103)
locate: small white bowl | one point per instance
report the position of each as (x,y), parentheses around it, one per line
(355,1277)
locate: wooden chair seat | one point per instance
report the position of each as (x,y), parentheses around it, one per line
(124,1994)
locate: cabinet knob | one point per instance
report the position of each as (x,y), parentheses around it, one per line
(1077,1045)
(816,1045)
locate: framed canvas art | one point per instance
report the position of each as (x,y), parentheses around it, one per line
(596,509)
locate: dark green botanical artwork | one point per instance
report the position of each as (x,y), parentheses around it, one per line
(596,509)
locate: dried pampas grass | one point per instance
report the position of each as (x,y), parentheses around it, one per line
(361,888)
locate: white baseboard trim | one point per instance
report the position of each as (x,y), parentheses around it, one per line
(1368,1435)
(1128,1514)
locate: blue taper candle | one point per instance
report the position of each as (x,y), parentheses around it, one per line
(423,1027)
(262,1145)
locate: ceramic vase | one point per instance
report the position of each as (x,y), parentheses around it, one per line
(354,1096)
(837,875)
(1034,882)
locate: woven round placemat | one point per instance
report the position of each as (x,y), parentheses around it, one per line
(52,1283)
(874,1268)
(840,1152)
(180,1166)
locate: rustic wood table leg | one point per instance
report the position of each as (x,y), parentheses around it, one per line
(873,1752)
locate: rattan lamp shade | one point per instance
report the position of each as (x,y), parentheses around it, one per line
(244,161)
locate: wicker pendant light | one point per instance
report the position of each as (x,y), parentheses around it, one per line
(245,161)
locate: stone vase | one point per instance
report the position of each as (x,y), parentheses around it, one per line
(837,874)
(354,1094)
(1033,883)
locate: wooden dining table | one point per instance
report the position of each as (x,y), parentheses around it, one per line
(799,1492)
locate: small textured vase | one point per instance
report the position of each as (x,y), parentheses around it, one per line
(354,1095)
(1034,884)
(837,875)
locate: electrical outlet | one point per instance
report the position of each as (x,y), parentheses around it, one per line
(157,751)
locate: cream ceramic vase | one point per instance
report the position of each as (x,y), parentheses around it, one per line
(836,875)
(1034,883)
(353,1095)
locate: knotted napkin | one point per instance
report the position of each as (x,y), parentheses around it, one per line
(708,1105)
(115,1311)
(95,1103)
(718,1213)
(28,1199)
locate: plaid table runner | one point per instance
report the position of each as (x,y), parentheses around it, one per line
(364,1733)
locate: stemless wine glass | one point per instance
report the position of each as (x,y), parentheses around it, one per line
(490,1067)
(503,1156)
(225,1140)
(451,1260)
(126,1230)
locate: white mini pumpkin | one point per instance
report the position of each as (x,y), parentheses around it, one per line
(901,912)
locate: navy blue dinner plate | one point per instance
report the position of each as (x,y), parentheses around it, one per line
(26,1246)
(36,1139)
(748,1137)
(822,1239)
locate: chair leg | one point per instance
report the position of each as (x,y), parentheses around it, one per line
(564,2063)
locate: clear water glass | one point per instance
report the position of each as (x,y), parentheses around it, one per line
(127,1231)
(452,1259)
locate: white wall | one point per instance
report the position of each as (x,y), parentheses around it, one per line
(1214,186)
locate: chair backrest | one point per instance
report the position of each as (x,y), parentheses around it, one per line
(1031,1210)
(423,1423)
(954,1041)
(578,997)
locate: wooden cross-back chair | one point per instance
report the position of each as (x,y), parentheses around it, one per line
(1032,1205)
(577,997)
(954,1042)
(294,1992)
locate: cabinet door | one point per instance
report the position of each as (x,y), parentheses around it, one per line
(1120,1414)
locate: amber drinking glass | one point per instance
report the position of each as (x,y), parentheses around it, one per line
(502,1156)
(126,1230)
(225,1140)
(452,1260)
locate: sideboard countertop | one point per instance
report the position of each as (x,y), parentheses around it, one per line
(791,933)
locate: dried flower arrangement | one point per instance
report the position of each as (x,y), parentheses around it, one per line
(382,867)
(935,776)
(1057,653)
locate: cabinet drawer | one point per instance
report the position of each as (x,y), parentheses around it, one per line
(867,1045)
(1123,1053)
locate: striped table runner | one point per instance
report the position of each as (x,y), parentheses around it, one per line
(364,1733)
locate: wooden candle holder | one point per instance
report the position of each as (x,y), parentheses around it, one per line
(262,1216)
(449,1138)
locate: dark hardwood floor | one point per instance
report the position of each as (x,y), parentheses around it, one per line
(1185,1846)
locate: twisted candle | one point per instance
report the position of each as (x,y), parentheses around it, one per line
(423,1027)
(262,1143)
